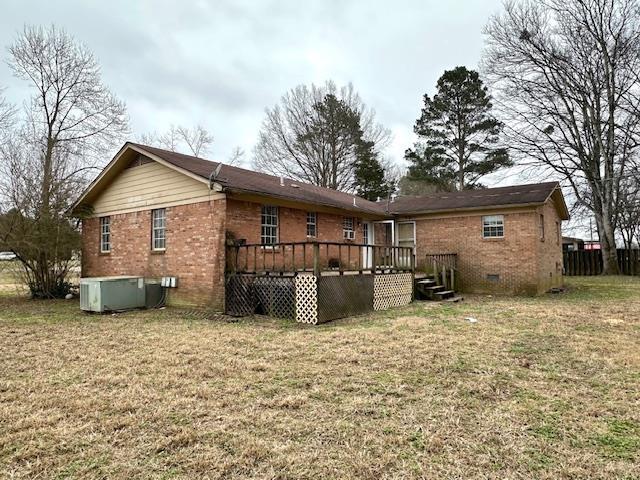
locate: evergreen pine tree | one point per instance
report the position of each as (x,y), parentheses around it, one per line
(458,134)
(369,175)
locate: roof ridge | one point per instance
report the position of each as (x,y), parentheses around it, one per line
(254,172)
(479,190)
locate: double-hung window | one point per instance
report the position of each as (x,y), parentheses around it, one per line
(159,229)
(269,225)
(312,224)
(348,230)
(493,226)
(105,234)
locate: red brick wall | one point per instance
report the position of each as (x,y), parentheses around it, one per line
(550,251)
(244,219)
(519,259)
(194,251)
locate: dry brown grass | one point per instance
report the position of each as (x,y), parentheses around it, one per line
(538,388)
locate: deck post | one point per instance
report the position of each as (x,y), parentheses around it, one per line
(373,260)
(316,259)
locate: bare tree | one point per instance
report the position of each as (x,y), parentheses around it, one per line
(306,137)
(7,114)
(68,124)
(237,157)
(195,141)
(566,75)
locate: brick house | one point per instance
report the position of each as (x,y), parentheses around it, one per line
(156,213)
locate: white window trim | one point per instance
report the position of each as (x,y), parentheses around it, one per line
(489,237)
(348,233)
(414,232)
(314,223)
(277,226)
(102,233)
(154,229)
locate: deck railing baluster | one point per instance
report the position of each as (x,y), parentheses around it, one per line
(376,258)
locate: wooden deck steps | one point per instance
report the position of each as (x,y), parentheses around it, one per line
(428,288)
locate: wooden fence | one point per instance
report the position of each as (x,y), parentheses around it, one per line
(589,262)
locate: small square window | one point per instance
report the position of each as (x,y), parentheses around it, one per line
(105,234)
(493,226)
(312,224)
(159,229)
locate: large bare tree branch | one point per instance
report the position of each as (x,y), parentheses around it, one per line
(287,147)
(50,152)
(565,74)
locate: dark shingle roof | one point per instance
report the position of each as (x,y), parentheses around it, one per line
(247,181)
(536,193)
(237,179)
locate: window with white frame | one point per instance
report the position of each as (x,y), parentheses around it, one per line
(159,229)
(269,225)
(493,226)
(312,224)
(407,234)
(348,229)
(105,234)
(365,233)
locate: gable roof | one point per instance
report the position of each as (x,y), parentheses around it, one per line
(240,180)
(513,196)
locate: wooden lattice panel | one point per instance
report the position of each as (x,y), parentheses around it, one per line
(275,296)
(240,298)
(306,299)
(342,296)
(392,290)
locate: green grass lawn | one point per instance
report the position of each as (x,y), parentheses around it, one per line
(544,387)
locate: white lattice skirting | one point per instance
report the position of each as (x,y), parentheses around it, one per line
(392,290)
(306,299)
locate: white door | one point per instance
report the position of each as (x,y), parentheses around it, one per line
(367,239)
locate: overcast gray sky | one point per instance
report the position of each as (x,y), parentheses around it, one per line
(220,63)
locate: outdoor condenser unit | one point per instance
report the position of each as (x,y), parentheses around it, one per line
(104,294)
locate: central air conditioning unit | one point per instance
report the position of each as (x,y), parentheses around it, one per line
(108,294)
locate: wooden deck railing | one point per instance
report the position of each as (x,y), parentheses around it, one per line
(318,258)
(444,267)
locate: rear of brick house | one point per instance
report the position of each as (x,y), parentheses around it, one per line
(156,213)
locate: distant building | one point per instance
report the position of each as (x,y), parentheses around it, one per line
(572,244)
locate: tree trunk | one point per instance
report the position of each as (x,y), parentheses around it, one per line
(608,246)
